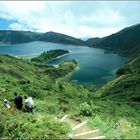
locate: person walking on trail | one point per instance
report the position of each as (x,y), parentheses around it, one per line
(6,104)
(18,101)
(29,104)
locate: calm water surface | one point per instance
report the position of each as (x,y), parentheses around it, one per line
(95,66)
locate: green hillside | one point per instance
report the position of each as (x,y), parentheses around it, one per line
(61,38)
(116,105)
(114,108)
(122,42)
(93,41)
(15,37)
(51,98)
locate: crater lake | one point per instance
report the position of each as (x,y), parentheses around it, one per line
(94,65)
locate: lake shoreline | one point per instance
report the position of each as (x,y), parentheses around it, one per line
(94,62)
(35,55)
(59,57)
(67,77)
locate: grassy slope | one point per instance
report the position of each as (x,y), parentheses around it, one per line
(50,98)
(114,108)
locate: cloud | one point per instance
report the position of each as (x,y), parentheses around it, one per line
(105,17)
(76,18)
(16,26)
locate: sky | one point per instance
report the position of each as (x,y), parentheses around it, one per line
(81,19)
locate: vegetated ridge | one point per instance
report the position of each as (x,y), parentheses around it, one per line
(15,37)
(49,55)
(27,78)
(124,42)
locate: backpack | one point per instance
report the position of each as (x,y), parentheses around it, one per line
(29,102)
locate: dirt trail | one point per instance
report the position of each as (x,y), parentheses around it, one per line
(80,130)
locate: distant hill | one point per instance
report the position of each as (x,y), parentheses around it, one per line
(15,37)
(60,38)
(123,42)
(93,41)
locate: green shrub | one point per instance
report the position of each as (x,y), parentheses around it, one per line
(22,125)
(1,128)
(85,109)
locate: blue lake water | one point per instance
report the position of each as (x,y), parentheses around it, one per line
(95,66)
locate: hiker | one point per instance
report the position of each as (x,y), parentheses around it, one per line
(29,104)
(6,104)
(18,101)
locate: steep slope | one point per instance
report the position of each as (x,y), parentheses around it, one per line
(115,107)
(51,98)
(14,37)
(127,85)
(122,42)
